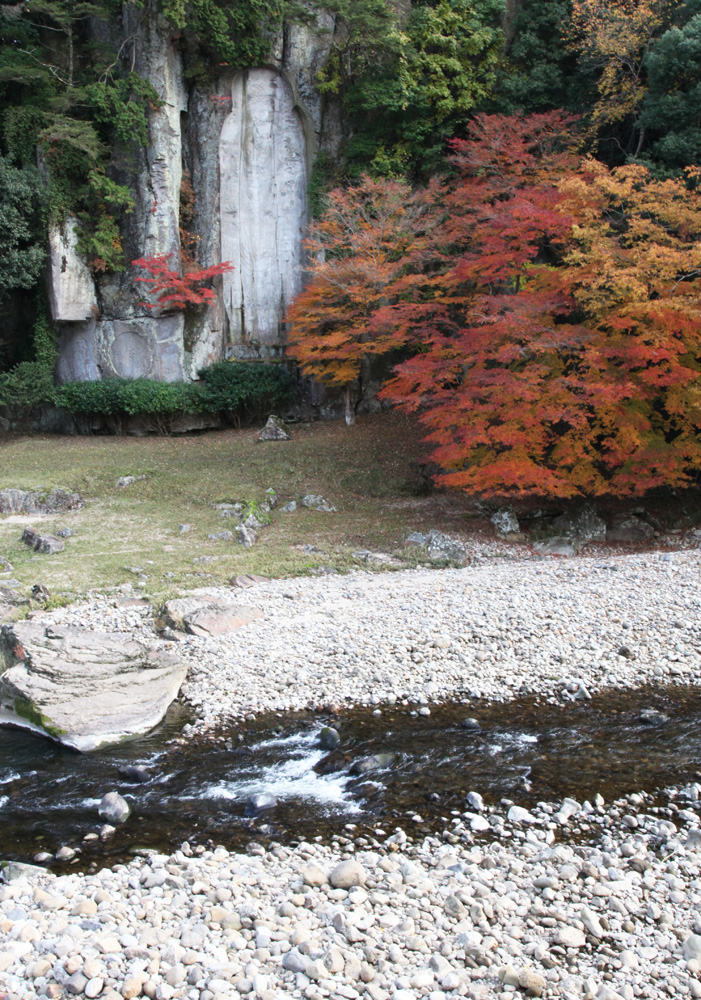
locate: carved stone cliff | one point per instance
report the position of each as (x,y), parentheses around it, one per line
(246,145)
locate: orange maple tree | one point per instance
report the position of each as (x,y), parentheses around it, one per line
(355,252)
(572,367)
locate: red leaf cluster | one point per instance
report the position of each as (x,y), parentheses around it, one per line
(176,290)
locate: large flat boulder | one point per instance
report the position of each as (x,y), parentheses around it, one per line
(205,616)
(84,688)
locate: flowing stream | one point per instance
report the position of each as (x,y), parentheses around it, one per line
(201,791)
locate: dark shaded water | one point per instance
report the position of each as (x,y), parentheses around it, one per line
(525,751)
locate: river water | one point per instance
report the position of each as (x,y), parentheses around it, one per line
(198,791)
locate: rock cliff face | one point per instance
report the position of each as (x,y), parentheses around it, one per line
(263,185)
(246,146)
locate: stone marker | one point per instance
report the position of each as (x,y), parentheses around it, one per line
(274,430)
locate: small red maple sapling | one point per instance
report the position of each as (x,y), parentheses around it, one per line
(176,290)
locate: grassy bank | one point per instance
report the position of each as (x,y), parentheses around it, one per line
(132,535)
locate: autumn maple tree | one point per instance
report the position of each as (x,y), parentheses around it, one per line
(355,252)
(551,310)
(613,38)
(178,289)
(572,366)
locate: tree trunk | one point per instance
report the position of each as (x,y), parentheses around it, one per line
(510,15)
(350,410)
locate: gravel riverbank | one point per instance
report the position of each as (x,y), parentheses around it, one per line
(559,628)
(570,901)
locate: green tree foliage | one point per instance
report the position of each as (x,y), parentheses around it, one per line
(630,68)
(22,226)
(222,32)
(671,111)
(440,66)
(540,72)
(66,97)
(31,383)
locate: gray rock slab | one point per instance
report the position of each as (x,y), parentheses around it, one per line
(220,620)
(47,544)
(71,287)
(263,204)
(39,501)
(84,688)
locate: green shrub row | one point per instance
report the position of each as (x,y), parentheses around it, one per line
(239,390)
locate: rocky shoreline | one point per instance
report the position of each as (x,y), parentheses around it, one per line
(523,910)
(571,900)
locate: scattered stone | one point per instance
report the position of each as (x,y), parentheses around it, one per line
(517,814)
(288,508)
(40,593)
(376,762)
(470,723)
(416,538)
(125,481)
(135,774)
(314,876)
(8,595)
(46,544)
(347,874)
(692,947)
(220,620)
(570,937)
(629,528)
(274,430)
(65,853)
(221,536)
(532,982)
(271,497)
(114,808)
(247,580)
(65,533)
(207,616)
(315,502)
(505,522)
(583,526)
(652,717)
(443,548)
(329,738)
(555,547)
(246,536)
(262,802)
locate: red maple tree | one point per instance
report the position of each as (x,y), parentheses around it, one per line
(175,289)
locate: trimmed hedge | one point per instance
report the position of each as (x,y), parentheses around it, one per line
(240,390)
